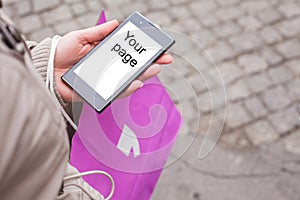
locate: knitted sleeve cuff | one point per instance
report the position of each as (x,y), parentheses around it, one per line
(40,56)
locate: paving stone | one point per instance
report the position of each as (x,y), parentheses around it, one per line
(202,8)
(176,27)
(197,58)
(259,82)
(252,63)
(198,83)
(202,81)
(270,35)
(178,2)
(210,20)
(229,13)
(23,8)
(280,74)
(276,98)
(294,89)
(166,75)
(30,23)
(10,2)
(236,140)
(292,144)
(237,90)
(9,10)
(71,1)
(212,78)
(227,29)
(182,89)
(111,14)
(182,66)
(133,6)
(274,3)
(160,18)
(205,102)
(289,9)
(289,49)
(236,115)
(211,100)
(158,4)
(96,5)
(271,56)
(190,27)
(254,6)
(88,20)
(79,8)
(61,13)
(249,23)
(186,44)
(246,41)
(189,111)
(204,38)
(261,132)
(41,34)
(290,27)
(113,4)
(220,52)
(230,71)
(65,27)
(205,122)
(227,2)
(293,65)
(255,107)
(43,5)
(269,16)
(285,120)
(179,13)
(184,129)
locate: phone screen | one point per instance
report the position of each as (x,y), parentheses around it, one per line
(117,59)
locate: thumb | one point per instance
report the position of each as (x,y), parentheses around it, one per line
(97,33)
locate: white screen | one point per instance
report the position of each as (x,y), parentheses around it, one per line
(110,66)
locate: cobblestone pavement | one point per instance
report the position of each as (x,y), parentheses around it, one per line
(255,46)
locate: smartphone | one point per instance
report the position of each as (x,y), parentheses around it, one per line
(109,68)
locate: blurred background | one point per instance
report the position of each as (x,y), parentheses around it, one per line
(236,73)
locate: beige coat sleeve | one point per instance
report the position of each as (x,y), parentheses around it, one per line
(33,142)
(40,54)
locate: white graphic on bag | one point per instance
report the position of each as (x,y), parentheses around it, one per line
(128,141)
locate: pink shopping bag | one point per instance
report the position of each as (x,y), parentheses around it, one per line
(131,140)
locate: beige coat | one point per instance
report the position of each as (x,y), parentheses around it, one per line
(34,144)
(33,140)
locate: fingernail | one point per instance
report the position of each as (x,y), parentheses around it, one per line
(141,85)
(171,58)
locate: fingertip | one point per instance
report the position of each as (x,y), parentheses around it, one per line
(97,33)
(169,58)
(137,84)
(114,21)
(156,69)
(165,59)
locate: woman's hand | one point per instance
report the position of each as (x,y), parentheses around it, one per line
(74,45)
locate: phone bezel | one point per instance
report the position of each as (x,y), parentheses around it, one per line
(87,92)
